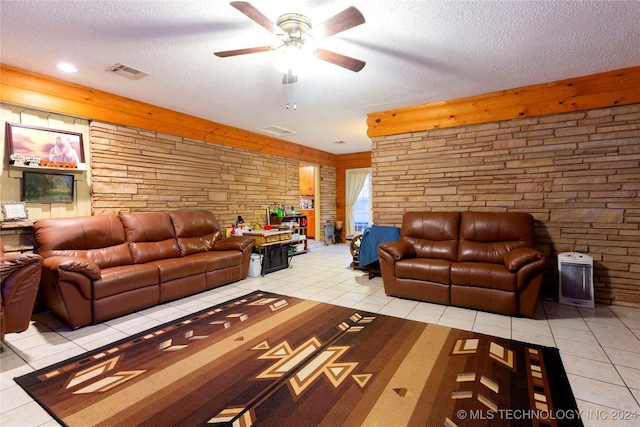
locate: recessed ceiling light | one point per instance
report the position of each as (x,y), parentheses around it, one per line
(67,68)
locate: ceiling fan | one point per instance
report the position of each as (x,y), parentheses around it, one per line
(298,36)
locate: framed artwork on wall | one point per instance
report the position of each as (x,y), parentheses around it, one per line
(47,187)
(14,211)
(58,148)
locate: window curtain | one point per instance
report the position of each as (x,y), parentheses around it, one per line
(355,182)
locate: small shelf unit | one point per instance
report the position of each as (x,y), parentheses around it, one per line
(299,241)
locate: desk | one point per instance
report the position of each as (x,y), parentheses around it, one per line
(275,256)
(275,248)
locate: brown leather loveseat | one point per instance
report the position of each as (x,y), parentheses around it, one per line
(480,260)
(19,280)
(103,266)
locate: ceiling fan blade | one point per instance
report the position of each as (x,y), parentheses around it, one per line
(249,10)
(340,60)
(237,52)
(289,78)
(348,18)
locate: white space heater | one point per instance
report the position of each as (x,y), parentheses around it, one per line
(576,279)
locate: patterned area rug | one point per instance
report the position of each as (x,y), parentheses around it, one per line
(270,360)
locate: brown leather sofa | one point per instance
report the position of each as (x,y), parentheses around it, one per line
(100,267)
(19,281)
(480,260)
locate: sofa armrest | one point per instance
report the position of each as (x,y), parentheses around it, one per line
(516,259)
(73,264)
(397,250)
(16,270)
(13,262)
(239,243)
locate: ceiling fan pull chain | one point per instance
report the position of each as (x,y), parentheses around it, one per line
(293,91)
(287,91)
(290,82)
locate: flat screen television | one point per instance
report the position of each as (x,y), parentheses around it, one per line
(38,187)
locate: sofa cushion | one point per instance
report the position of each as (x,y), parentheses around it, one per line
(117,280)
(488,236)
(219,260)
(432,270)
(483,275)
(150,236)
(177,268)
(197,231)
(100,239)
(433,234)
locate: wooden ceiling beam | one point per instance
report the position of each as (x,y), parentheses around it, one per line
(33,90)
(619,87)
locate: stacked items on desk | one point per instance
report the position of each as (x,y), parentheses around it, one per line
(265,237)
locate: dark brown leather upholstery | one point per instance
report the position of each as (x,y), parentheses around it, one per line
(480,260)
(19,281)
(104,266)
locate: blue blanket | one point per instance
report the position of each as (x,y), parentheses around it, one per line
(371,238)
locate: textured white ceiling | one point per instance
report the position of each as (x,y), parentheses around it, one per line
(417,52)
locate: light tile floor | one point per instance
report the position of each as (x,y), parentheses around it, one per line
(600,347)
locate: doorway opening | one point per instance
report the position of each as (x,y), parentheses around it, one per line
(310,197)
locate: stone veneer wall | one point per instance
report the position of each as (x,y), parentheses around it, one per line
(327,203)
(577,173)
(139,170)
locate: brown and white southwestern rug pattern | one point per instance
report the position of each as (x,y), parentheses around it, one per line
(270,360)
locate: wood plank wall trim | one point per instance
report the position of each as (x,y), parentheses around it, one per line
(613,88)
(33,90)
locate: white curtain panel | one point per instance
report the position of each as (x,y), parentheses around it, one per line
(355,181)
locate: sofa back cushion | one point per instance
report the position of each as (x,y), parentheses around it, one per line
(150,236)
(488,236)
(432,234)
(98,238)
(196,231)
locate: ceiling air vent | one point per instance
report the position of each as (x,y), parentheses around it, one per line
(276,131)
(128,72)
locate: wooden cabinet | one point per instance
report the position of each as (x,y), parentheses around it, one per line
(307,181)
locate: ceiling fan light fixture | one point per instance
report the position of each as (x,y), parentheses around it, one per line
(294,25)
(298,44)
(294,55)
